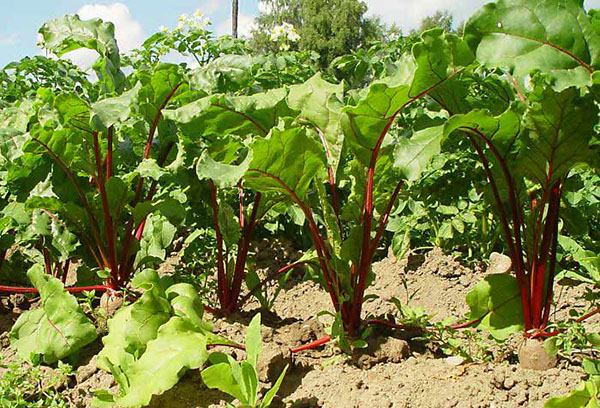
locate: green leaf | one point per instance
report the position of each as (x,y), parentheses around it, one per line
(158,235)
(69,33)
(268,398)
(73,111)
(590,366)
(253,341)
(439,56)
(220,377)
(149,168)
(319,103)
(230,227)
(160,336)
(110,111)
(227,73)
(365,123)
(437,60)
(584,396)
(133,326)
(413,155)
(219,115)
(554,36)
(56,329)
(224,175)
(496,300)
(504,131)
(458,225)
(445,231)
(285,162)
(249,382)
(118,195)
(177,347)
(560,133)
(63,240)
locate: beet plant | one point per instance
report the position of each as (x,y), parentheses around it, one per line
(216,129)
(528,148)
(96,162)
(345,141)
(159,337)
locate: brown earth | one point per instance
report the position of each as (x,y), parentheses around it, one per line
(396,370)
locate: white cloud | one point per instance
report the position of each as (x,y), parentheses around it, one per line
(407,14)
(10,39)
(210,6)
(128,31)
(246,24)
(590,4)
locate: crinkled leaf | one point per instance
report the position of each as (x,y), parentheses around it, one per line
(69,33)
(285,162)
(227,73)
(554,36)
(73,111)
(560,133)
(436,61)
(224,175)
(130,329)
(178,347)
(55,330)
(319,103)
(149,168)
(110,111)
(219,115)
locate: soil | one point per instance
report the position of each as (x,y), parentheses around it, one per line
(397,370)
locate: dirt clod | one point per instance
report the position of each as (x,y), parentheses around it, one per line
(271,363)
(390,350)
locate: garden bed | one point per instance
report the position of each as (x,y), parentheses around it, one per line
(396,371)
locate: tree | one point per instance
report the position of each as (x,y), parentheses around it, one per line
(441,18)
(329,27)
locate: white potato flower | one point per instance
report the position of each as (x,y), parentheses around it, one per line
(285,31)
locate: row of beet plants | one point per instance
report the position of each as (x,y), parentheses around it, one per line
(105,178)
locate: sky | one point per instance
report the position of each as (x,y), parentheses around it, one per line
(135,20)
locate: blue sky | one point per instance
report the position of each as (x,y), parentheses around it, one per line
(22,18)
(136,19)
